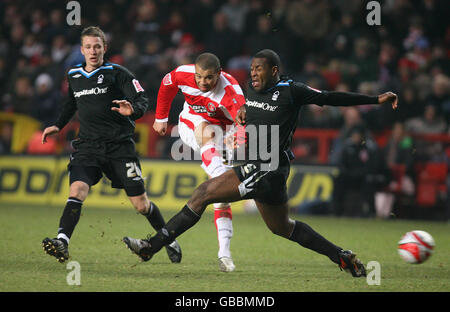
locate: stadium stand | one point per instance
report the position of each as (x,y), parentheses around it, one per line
(326,44)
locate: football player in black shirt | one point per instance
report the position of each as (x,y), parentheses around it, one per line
(108,99)
(270,101)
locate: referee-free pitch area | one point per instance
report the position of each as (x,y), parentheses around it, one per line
(263,261)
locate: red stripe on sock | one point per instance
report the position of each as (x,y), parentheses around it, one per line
(223,213)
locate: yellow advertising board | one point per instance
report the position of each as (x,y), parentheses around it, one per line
(23,127)
(27,179)
(44,180)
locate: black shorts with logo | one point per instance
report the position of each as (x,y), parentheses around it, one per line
(118,161)
(265,186)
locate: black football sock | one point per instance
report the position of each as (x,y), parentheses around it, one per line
(69,218)
(154,217)
(308,238)
(176,226)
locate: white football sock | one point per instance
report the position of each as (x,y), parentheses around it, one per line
(224,226)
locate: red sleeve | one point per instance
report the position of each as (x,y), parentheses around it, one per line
(234,97)
(234,102)
(166,94)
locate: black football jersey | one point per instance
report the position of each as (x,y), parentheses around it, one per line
(277,109)
(92,93)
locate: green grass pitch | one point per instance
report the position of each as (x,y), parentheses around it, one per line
(264,262)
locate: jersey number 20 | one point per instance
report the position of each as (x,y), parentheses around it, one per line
(133,170)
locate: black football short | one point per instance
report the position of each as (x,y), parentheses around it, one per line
(118,162)
(265,186)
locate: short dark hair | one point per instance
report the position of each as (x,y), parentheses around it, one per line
(270,56)
(93,31)
(208,61)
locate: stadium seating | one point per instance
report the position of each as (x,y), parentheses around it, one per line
(431,182)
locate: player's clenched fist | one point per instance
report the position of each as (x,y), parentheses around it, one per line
(49,131)
(160,127)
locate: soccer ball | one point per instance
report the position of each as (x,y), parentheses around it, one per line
(416,246)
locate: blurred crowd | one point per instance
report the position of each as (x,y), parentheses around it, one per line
(326,44)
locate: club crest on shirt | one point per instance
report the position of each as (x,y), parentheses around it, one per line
(275,95)
(167,80)
(100,78)
(137,86)
(211,108)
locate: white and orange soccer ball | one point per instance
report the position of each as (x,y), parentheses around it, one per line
(416,246)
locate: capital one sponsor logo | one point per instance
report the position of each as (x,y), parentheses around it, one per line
(263,106)
(92,91)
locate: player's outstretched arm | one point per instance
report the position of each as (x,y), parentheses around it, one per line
(125,108)
(49,131)
(307,95)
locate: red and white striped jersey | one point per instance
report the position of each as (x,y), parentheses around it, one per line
(219,105)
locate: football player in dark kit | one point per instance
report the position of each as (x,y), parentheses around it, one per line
(108,99)
(270,100)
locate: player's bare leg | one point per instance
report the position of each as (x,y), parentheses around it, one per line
(276,218)
(213,165)
(221,189)
(224,188)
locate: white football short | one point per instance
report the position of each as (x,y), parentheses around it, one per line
(187,123)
